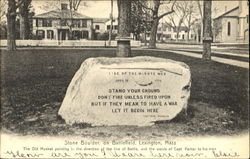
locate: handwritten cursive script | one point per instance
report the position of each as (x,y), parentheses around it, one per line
(119,154)
(225,154)
(18,154)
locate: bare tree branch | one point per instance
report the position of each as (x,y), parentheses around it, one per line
(172,24)
(19,3)
(161,16)
(77,5)
(145,7)
(74,4)
(172,11)
(3,6)
(199,7)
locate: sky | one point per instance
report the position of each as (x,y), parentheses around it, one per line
(91,8)
(101,8)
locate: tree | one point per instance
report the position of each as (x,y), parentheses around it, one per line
(177,19)
(3,30)
(207,27)
(74,4)
(139,18)
(155,17)
(3,25)
(124,28)
(24,11)
(191,18)
(3,6)
(201,17)
(111,22)
(11,23)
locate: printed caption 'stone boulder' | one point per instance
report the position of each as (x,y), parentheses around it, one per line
(126,91)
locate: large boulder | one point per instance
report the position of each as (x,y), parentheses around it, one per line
(126,91)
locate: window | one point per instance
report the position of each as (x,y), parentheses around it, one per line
(39,22)
(40,34)
(228,28)
(114,27)
(97,27)
(50,34)
(47,23)
(64,6)
(63,22)
(247,19)
(169,28)
(84,23)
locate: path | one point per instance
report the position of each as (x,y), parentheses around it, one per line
(236,59)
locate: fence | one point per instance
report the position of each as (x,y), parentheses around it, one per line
(68,43)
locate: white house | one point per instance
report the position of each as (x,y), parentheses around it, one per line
(115,25)
(57,24)
(233,25)
(167,32)
(102,25)
(99,24)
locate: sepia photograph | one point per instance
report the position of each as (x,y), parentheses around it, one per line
(124,78)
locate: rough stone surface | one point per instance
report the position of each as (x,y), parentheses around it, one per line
(126,91)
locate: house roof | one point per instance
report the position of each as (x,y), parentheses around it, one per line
(100,20)
(227,13)
(62,14)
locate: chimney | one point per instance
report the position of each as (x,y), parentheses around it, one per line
(64,6)
(225,8)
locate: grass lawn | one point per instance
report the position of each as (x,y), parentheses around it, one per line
(34,82)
